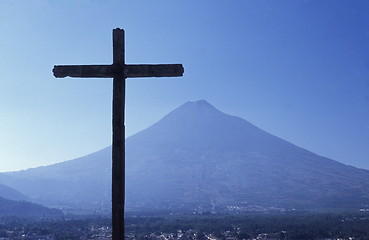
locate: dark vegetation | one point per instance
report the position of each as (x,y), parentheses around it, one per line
(26,228)
(279,226)
(301,226)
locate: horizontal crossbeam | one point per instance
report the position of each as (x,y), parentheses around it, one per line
(110,71)
(152,70)
(87,71)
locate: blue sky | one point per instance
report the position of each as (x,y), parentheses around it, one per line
(297,69)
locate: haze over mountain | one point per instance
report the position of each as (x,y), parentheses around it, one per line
(198,157)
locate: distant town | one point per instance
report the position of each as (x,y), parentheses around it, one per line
(348,226)
(104,233)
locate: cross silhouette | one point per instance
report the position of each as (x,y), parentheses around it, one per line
(119,71)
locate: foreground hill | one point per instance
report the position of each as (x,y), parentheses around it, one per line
(11,194)
(26,209)
(84,182)
(197,157)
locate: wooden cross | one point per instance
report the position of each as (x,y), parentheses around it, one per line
(119,71)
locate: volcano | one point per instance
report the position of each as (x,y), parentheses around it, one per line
(198,157)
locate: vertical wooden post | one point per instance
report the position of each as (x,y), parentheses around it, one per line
(118,152)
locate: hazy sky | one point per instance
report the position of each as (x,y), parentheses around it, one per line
(297,69)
